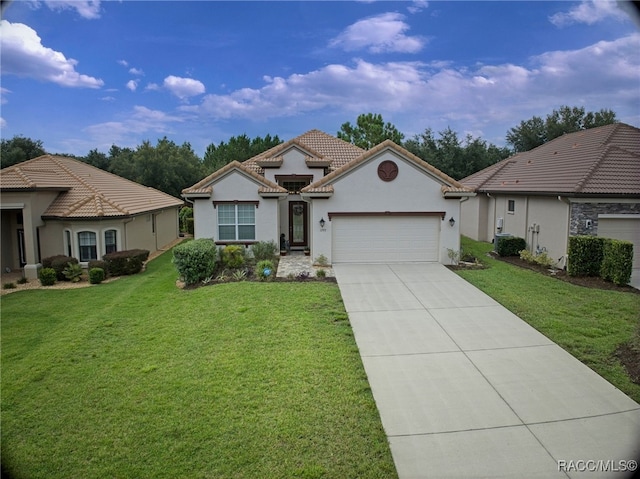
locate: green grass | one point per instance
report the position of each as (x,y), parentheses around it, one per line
(588,323)
(136,378)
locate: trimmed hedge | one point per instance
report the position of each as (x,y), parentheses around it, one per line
(99,264)
(47,276)
(608,258)
(195,260)
(122,263)
(58,263)
(585,255)
(96,275)
(617,261)
(511,246)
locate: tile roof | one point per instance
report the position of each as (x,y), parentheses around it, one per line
(598,161)
(204,186)
(321,148)
(451,184)
(85,191)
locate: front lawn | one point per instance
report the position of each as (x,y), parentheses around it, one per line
(589,323)
(137,378)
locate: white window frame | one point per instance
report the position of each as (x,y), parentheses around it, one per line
(236,223)
(96,237)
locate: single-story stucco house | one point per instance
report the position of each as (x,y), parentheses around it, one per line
(582,183)
(53,205)
(340,201)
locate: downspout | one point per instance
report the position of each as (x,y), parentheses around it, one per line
(126,242)
(568,225)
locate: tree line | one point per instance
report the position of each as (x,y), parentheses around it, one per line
(170,167)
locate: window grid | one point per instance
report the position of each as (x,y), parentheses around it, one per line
(88,246)
(236,222)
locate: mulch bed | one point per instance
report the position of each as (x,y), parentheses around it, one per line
(586,281)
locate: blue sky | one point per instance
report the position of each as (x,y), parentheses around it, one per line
(80,75)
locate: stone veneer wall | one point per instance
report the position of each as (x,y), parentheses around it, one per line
(580,212)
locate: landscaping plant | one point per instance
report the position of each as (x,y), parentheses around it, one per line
(265,270)
(233,256)
(96,275)
(47,276)
(195,260)
(264,250)
(73,272)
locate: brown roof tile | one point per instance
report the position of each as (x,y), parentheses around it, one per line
(321,147)
(86,191)
(204,185)
(603,160)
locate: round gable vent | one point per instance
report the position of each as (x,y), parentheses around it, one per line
(387,170)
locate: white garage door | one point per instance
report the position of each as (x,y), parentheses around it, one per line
(378,239)
(623,229)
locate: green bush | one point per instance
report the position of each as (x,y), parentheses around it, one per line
(264,250)
(511,246)
(541,259)
(186,219)
(96,275)
(585,255)
(47,276)
(58,263)
(617,261)
(122,263)
(233,256)
(265,270)
(321,273)
(190,225)
(72,272)
(195,260)
(9,286)
(99,264)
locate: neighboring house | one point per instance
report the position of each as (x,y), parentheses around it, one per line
(583,183)
(322,193)
(54,205)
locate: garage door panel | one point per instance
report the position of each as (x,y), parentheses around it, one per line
(386,238)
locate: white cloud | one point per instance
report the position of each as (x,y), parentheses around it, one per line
(417,6)
(124,63)
(24,55)
(441,94)
(141,121)
(89,9)
(183,88)
(132,85)
(589,12)
(3,123)
(379,34)
(136,71)
(3,94)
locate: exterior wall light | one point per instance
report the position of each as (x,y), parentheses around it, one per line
(452,221)
(321,222)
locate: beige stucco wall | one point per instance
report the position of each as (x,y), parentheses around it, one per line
(131,233)
(236,186)
(361,190)
(549,214)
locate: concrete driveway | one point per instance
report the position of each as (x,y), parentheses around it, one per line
(466,389)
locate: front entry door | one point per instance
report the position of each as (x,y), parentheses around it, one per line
(298,223)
